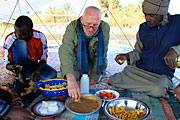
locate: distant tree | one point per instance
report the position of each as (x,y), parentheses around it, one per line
(139,6)
(126,16)
(52,10)
(39,12)
(103,3)
(113,4)
(66,8)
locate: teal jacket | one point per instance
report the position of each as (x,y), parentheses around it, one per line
(68,50)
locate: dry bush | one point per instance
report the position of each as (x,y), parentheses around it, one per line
(124,19)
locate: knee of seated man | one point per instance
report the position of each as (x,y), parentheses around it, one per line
(54,75)
(51,75)
(157,91)
(20,42)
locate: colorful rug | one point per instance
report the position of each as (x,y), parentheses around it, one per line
(161,109)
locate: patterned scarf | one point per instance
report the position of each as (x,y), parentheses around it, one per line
(82,56)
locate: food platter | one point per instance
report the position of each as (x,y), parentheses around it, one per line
(112,92)
(36,108)
(129,105)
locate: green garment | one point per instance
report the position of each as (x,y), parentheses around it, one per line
(136,79)
(177,49)
(135,54)
(68,50)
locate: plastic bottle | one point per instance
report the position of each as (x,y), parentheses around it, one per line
(84,84)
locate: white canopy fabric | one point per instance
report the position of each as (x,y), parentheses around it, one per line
(19,7)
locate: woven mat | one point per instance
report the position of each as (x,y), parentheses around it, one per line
(161,109)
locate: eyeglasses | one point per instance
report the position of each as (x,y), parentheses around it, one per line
(88,26)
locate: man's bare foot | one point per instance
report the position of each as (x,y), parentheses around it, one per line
(92,82)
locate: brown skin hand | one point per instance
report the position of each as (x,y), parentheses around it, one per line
(170,59)
(36,72)
(121,58)
(14,67)
(17,113)
(177,92)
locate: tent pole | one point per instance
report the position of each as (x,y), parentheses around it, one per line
(19,8)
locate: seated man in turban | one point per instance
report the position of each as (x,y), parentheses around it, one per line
(153,61)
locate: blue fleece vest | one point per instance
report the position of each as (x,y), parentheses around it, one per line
(156,43)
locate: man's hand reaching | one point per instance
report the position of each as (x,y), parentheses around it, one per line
(177,92)
(121,58)
(73,87)
(14,68)
(36,76)
(17,113)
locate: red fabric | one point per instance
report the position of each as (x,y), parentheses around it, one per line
(48,118)
(35,49)
(60,97)
(167,109)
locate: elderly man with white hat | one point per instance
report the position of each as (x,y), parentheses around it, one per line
(151,65)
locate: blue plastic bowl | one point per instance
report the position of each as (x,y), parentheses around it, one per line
(52,91)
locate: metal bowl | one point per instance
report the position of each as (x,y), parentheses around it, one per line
(85,94)
(127,104)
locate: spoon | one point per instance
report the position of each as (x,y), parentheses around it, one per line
(104,101)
